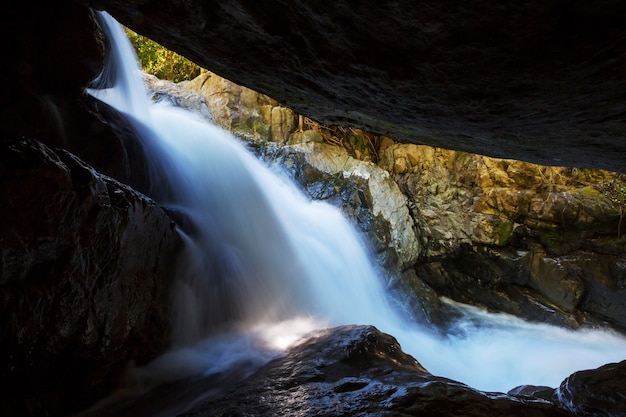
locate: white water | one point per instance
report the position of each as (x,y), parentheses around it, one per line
(264,265)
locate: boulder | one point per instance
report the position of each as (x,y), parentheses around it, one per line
(596,392)
(86,271)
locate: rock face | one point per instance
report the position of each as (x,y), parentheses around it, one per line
(540,81)
(545,243)
(359,371)
(86,263)
(86,271)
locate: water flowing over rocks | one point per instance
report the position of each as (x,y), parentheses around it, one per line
(252,117)
(86,270)
(376,207)
(385,198)
(543,243)
(359,371)
(365,193)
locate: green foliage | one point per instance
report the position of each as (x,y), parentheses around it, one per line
(160,61)
(615,189)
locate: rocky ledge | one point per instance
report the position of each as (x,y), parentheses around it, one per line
(359,371)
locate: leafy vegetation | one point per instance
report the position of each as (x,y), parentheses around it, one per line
(159,61)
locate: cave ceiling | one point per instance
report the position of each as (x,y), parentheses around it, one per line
(542,81)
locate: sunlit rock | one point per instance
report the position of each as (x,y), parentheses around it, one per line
(175,95)
(241,110)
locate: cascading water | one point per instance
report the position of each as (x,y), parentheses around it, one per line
(264,265)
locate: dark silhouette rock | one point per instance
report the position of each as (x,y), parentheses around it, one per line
(597,392)
(86,272)
(534,391)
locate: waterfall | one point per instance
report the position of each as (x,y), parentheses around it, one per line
(263,265)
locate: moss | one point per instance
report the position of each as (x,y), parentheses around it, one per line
(589,192)
(551,241)
(504,232)
(250,128)
(560,242)
(260,128)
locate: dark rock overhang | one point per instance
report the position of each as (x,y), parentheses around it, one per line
(542,81)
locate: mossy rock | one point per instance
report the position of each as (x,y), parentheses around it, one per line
(505,231)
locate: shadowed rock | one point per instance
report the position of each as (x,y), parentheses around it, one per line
(86,271)
(597,392)
(541,81)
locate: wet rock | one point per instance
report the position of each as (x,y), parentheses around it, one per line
(359,371)
(496,281)
(597,392)
(533,391)
(560,284)
(86,272)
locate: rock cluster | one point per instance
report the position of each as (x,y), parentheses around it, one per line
(360,371)
(545,243)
